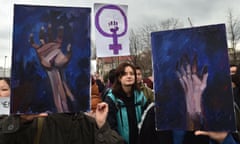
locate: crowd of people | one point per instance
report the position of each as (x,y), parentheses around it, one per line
(122,112)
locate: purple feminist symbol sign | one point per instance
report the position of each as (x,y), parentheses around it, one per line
(113,27)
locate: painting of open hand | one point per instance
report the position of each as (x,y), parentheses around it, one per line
(193,84)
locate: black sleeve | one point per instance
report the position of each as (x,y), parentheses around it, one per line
(148,133)
(112,120)
(106,135)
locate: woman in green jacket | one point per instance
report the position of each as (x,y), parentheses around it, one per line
(126,103)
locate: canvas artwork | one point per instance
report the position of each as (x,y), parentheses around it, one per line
(50,59)
(192,82)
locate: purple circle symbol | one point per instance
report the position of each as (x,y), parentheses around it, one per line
(113,7)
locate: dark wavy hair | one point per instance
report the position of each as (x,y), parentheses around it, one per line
(7,80)
(112,76)
(117,89)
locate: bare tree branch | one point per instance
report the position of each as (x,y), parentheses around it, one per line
(140,42)
(233,27)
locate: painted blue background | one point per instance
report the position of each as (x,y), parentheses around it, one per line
(209,43)
(31,89)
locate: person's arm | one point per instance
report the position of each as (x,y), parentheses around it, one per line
(30,117)
(230,140)
(107,136)
(111,118)
(104,134)
(219,137)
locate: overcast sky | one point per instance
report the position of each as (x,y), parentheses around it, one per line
(201,12)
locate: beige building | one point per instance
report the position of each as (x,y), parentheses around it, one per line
(5,72)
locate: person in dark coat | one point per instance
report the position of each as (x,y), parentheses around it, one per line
(149,134)
(60,128)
